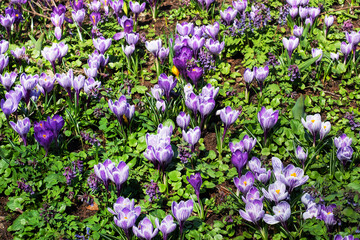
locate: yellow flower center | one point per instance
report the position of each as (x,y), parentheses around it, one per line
(45,79)
(293,175)
(16,15)
(313,121)
(329,213)
(194,70)
(245,183)
(324,127)
(93,17)
(125,217)
(175,71)
(44,136)
(40,124)
(277,191)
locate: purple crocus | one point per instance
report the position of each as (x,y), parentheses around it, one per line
(327,215)
(55,124)
(157,92)
(78,84)
(315,52)
(276,192)
(344,154)
(183,120)
(293,177)
(145,230)
(128,50)
(167,226)
(324,129)
(252,195)
(4,46)
(214,47)
(354,39)
(293,12)
(192,136)
(239,160)
(329,21)
(196,181)
(119,175)
(126,219)
(245,182)
(79,16)
(66,80)
(349,237)
(206,105)
(212,30)
(18,53)
(228,117)
(122,203)
(298,31)
(102,44)
(290,44)
(121,108)
(267,119)
(57,20)
(303,12)
(240,5)
(228,15)
(132,38)
(28,83)
(8,79)
(77,4)
(154,47)
(261,174)
(261,74)
(249,143)
(195,74)
(314,12)
(167,83)
(254,211)
(103,171)
(136,8)
(192,102)
(7,21)
(312,124)
(51,54)
(182,212)
(196,43)
(282,213)
(342,141)
(4,61)
(301,155)
(44,138)
(8,107)
(95,18)
(117,6)
(346,50)
(163,54)
(22,127)
(185,29)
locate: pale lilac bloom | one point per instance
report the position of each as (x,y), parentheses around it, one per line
(8,79)
(293,177)
(145,230)
(185,29)
(315,52)
(254,211)
(167,226)
(228,15)
(342,141)
(212,30)
(182,211)
(245,182)
(252,195)
(282,213)
(18,53)
(324,129)
(276,192)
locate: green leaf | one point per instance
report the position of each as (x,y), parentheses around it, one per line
(175,176)
(308,63)
(299,109)
(15,203)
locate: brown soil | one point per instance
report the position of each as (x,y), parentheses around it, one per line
(6,219)
(82,211)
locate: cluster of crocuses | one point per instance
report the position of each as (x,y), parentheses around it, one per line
(58,18)
(205,4)
(12,16)
(97,60)
(300,8)
(159,52)
(56,52)
(286,180)
(315,126)
(165,86)
(258,73)
(108,171)
(123,111)
(125,216)
(4,59)
(319,211)
(344,150)
(229,14)
(159,150)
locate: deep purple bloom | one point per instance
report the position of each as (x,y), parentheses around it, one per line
(182,211)
(8,79)
(212,30)
(301,155)
(167,226)
(214,47)
(245,182)
(56,123)
(44,138)
(349,237)
(22,127)
(192,136)
(183,120)
(196,181)
(327,215)
(95,17)
(102,44)
(344,154)
(254,211)
(239,160)
(103,171)
(290,44)
(342,141)
(195,73)
(127,24)
(228,15)
(181,58)
(276,192)
(267,119)
(167,83)
(282,213)
(185,29)
(293,177)
(119,175)
(77,4)
(28,83)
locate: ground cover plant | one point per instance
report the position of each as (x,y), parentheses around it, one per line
(179,119)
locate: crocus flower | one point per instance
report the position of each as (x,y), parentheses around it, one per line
(308,200)
(294,12)
(303,12)
(195,73)
(237,146)
(276,192)
(228,117)
(57,20)
(317,52)
(79,16)
(342,141)
(214,47)
(145,230)
(267,119)
(77,4)
(182,212)
(293,177)
(293,3)
(312,124)
(298,31)
(282,213)
(327,215)
(122,203)
(334,56)
(349,237)
(127,24)
(290,44)
(22,127)
(117,6)
(119,175)
(248,76)
(196,43)
(165,131)
(7,21)
(7,106)
(18,53)
(185,29)
(106,6)
(160,105)
(102,44)
(183,120)
(95,17)
(228,15)
(126,219)
(154,47)
(344,154)
(132,38)
(329,21)
(103,171)
(254,211)
(192,102)
(167,226)
(206,105)
(252,195)
(66,80)
(196,181)
(4,61)
(91,85)
(192,136)
(157,92)
(261,74)
(212,30)
(239,160)
(78,84)
(8,79)
(51,54)
(63,49)
(181,58)
(314,12)
(324,129)
(209,91)
(128,50)
(4,46)
(309,21)
(136,8)
(245,182)
(163,54)
(346,50)
(249,143)
(261,174)
(240,5)
(56,123)
(167,83)
(311,212)
(44,138)
(121,108)
(28,82)
(301,155)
